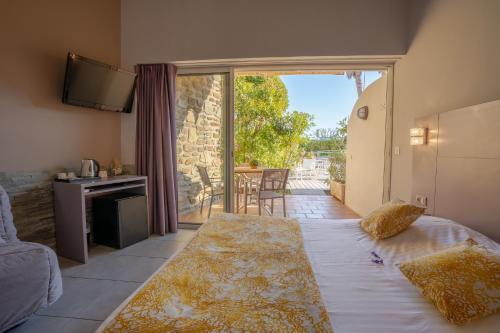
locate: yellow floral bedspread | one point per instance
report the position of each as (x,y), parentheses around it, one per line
(238,274)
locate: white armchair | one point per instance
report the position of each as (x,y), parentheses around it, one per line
(306,170)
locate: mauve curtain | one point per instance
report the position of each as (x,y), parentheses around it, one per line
(156,142)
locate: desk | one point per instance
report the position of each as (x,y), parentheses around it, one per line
(70,210)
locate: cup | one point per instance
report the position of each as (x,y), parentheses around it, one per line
(103,174)
(62,175)
(71,175)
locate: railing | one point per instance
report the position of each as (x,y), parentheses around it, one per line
(324,153)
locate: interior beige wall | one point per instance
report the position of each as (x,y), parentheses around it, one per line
(453,61)
(459,170)
(179,30)
(162,31)
(37,131)
(365,150)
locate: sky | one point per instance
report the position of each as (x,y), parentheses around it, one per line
(329,98)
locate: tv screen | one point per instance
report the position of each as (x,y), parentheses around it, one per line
(97,85)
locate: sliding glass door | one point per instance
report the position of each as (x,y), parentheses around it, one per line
(202,104)
(207,149)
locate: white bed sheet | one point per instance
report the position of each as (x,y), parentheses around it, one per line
(362,296)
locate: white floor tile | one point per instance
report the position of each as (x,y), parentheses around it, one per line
(90,298)
(182,235)
(121,268)
(43,324)
(152,248)
(93,290)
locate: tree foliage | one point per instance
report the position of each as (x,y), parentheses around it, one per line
(324,133)
(337,166)
(264,130)
(336,139)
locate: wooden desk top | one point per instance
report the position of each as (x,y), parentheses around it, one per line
(106,181)
(114,180)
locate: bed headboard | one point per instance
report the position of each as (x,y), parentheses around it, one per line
(459,169)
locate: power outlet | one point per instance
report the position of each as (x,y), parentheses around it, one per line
(422,200)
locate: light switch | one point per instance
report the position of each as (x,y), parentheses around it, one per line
(422,200)
(396,150)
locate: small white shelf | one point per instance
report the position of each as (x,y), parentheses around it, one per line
(89,192)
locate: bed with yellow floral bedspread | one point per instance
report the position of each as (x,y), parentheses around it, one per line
(239,273)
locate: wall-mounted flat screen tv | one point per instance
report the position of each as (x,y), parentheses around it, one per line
(93,84)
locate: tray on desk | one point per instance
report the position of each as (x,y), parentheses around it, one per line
(78,180)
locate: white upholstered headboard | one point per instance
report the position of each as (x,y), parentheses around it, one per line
(459,169)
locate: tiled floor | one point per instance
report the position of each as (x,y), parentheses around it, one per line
(300,206)
(318,207)
(92,291)
(307,184)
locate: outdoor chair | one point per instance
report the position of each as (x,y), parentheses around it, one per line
(321,167)
(272,187)
(212,187)
(307,169)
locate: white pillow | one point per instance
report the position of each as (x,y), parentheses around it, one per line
(426,235)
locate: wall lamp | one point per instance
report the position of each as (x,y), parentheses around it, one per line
(418,136)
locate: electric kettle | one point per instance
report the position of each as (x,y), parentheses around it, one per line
(90,168)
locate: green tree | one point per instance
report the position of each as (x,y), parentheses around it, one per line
(341,134)
(264,130)
(324,133)
(337,166)
(336,141)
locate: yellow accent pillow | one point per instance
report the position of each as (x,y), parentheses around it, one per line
(390,219)
(463,281)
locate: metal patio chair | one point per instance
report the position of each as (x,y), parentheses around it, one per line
(272,187)
(211,188)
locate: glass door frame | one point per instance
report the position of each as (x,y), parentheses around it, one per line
(232,67)
(227,127)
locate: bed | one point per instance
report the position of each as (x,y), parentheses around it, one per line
(360,285)
(361,295)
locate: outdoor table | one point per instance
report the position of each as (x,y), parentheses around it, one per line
(245,170)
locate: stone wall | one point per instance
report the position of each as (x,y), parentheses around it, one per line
(32,199)
(200,104)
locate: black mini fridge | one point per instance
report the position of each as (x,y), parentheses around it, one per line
(119,219)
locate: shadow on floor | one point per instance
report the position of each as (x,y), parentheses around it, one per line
(300,206)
